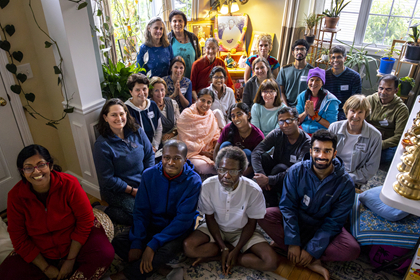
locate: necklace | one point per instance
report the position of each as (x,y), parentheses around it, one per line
(246,135)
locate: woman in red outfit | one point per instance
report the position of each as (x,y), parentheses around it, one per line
(201,68)
(51,224)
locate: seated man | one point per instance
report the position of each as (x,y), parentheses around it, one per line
(292,77)
(290,145)
(163,217)
(341,81)
(359,143)
(389,115)
(317,198)
(232,204)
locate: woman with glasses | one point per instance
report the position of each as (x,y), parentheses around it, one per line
(179,88)
(267,102)
(198,129)
(202,67)
(317,107)
(223,96)
(51,224)
(240,133)
(262,71)
(121,153)
(264,48)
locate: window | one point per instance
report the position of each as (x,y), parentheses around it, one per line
(184,6)
(377,22)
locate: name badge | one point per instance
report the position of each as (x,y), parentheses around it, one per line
(384,123)
(361,146)
(344,87)
(183,90)
(293,158)
(303,78)
(306,200)
(151,115)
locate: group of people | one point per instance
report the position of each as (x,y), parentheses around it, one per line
(288,157)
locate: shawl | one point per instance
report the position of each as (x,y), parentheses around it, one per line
(199,133)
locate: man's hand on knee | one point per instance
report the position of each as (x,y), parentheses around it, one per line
(146,260)
(293,253)
(305,258)
(262,181)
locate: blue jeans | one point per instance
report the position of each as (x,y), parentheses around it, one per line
(387,155)
(247,151)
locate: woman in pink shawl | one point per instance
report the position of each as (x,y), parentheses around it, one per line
(197,127)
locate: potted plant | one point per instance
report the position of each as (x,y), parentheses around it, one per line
(332,15)
(406,84)
(310,21)
(387,60)
(324,54)
(358,60)
(412,53)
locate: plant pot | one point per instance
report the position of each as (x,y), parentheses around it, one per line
(387,63)
(310,39)
(405,88)
(324,57)
(413,53)
(331,22)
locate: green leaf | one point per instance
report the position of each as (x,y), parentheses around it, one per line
(3,3)
(5,45)
(57,70)
(21,77)
(16,89)
(99,13)
(48,44)
(83,5)
(106,26)
(30,97)
(51,124)
(118,86)
(18,55)
(59,81)
(10,29)
(69,110)
(11,67)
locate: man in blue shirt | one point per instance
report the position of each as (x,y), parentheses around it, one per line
(341,81)
(317,198)
(163,216)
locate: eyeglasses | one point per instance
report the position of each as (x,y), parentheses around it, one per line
(269,92)
(218,77)
(300,49)
(223,171)
(288,121)
(41,166)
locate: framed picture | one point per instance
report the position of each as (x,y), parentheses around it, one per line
(231,31)
(128,48)
(253,45)
(203,29)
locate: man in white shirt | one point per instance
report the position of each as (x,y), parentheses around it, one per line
(232,204)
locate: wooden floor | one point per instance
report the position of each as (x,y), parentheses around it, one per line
(286,269)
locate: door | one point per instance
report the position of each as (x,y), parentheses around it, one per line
(11,144)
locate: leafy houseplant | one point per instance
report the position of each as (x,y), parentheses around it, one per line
(324,54)
(311,21)
(413,48)
(406,84)
(358,60)
(332,15)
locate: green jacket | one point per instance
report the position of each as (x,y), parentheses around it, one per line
(390,119)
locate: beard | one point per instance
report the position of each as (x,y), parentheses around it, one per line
(300,57)
(318,165)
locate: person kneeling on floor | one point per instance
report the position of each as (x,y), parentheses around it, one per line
(232,204)
(317,198)
(163,215)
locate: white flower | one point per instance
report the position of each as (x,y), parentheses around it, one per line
(146,57)
(149,74)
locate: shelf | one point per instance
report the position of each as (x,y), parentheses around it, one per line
(330,30)
(380,75)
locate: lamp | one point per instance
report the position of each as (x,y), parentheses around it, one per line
(224,9)
(234,7)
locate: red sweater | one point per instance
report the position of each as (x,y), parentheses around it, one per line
(200,73)
(35,229)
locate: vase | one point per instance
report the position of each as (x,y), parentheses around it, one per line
(310,39)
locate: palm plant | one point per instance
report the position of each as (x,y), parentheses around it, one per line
(415,35)
(359,58)
(311,21)
(335,11)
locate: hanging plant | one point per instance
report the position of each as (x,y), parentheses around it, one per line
(239,44)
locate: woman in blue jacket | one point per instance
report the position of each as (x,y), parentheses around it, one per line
(317,107)
(121,153)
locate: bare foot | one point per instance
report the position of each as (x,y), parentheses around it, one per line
(317,267)
(210,259)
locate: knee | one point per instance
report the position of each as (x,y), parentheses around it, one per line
(271,261)
(225,144)
(107,254)
(188,246)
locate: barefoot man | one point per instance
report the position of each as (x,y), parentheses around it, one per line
(316,200)
(231,204)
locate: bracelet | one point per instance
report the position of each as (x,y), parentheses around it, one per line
(45,269)
(224,249)
(131,190)
(320,118)
(71,259)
